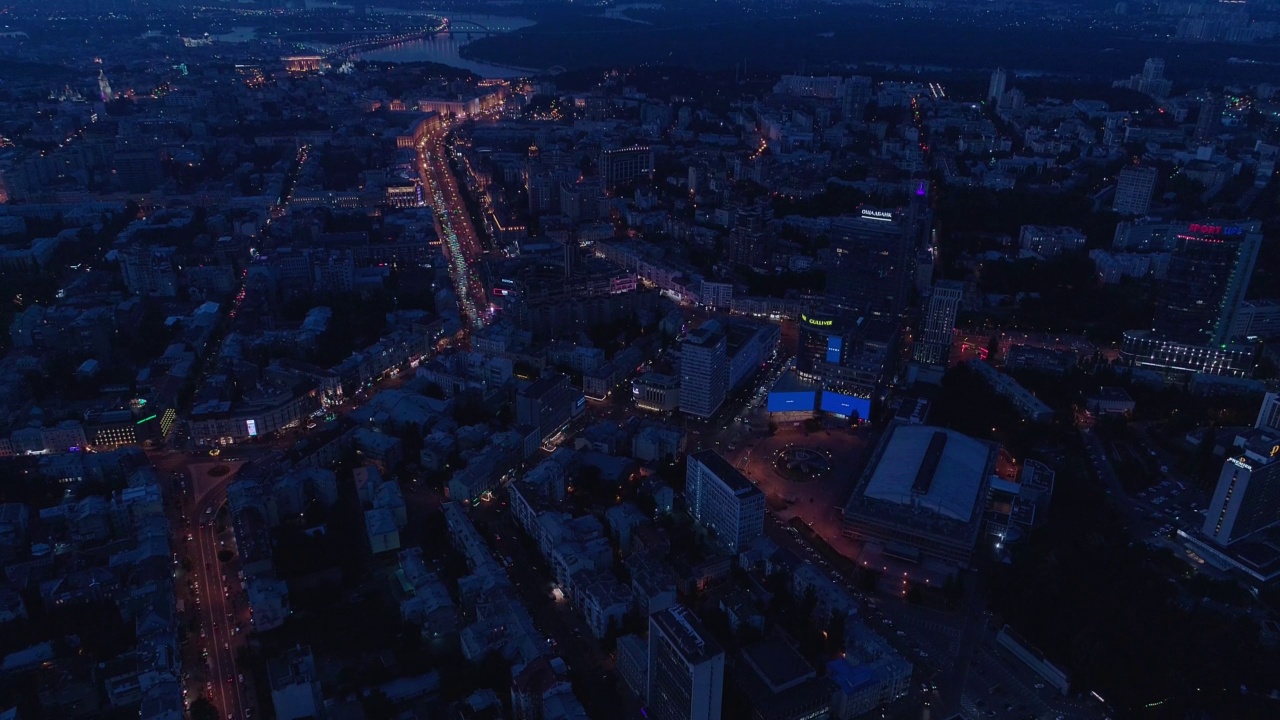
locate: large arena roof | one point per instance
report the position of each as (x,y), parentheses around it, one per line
(931,468)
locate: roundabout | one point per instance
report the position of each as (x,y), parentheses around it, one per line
(799,464)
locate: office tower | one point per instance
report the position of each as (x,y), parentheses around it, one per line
(1247,497)
(1208,275)
(704,371)
(995,90)
(723,501)
(823,341)
(933,345)
(871,273)
(1134,189)
(686,668)
(625,164)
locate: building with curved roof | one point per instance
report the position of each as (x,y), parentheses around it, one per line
(922,494)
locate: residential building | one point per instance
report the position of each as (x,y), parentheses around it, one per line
(295,689)
(996,88)
(381,530)
(1134,189)
(686,668)
(548,404)
(633,663)
(1024,401)
(1048,242)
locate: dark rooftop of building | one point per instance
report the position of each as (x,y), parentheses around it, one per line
(542,386)
(727,473)
(686,632)
(778,663)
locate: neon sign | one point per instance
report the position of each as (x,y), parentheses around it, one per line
(816,322)
(1215,229)
(877,214)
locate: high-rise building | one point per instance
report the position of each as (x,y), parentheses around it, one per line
(1247,497)
(871,273)
(704,371)
(686,668)
(747,238)
(1209,272)
(1134,190)
(1207,119)
(823,341)
(933,346)
(104,87)
(995,90)
(1150,81)
(723,501)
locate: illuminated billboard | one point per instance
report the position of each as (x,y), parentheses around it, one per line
(252,427)
(846,405)
(834,345)
(798,401)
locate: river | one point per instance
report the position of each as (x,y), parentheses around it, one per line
(445,48)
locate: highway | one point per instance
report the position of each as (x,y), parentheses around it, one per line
(462,247)
(217,609)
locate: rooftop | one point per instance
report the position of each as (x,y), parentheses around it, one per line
(704,336)
(686,632)
(728,474)
(934,468)
(779,664)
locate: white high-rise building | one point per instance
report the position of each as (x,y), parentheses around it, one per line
(933,347)
(686,668)
(1247,497)
(1134,189)
(704,371)
(723,501)
(999,79)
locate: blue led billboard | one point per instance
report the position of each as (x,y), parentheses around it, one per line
(834,345)
(791,401)
(846,405)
